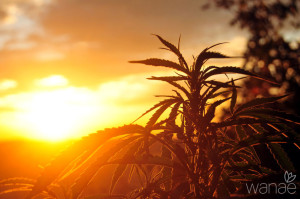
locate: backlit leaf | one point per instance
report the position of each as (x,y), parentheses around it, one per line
(174,50)
(233,97)
(258,102)
(281,157)
(161,62)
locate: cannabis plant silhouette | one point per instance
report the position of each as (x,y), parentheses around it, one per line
(199,157)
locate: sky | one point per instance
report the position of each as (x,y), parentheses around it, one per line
(64,63)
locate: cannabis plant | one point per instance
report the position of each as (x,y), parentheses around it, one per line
(185,150)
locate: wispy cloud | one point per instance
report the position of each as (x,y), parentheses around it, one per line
(8,84)
(49,55)
(52,81)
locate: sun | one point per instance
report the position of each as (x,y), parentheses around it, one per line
(55,110)
(56,115)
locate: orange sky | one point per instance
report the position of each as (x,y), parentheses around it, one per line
(64,63)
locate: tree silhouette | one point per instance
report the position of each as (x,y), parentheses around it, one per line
(268,52)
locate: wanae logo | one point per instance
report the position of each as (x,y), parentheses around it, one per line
(289,177)
(287,187)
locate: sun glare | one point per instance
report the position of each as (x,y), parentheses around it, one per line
(56,115)
(53,81)
(56,110)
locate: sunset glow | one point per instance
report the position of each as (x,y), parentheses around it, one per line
(64,64)
(54,110)
(149,99)
(53,116)
(63,78)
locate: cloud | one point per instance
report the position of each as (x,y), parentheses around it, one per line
(52,81)
(9,14)
(19,20)
(47,55)
(92,42)
(117,25)
(8,84)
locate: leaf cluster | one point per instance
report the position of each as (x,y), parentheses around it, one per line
(198,157)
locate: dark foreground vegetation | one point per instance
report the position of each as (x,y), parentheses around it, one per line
(184,150)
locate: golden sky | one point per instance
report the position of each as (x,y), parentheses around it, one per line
(64,63)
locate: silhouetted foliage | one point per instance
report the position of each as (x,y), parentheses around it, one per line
(182,151)
(268,52)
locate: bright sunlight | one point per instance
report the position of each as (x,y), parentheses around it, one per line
(56,110)
(54,118)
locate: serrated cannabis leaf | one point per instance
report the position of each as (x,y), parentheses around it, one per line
(185,149)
